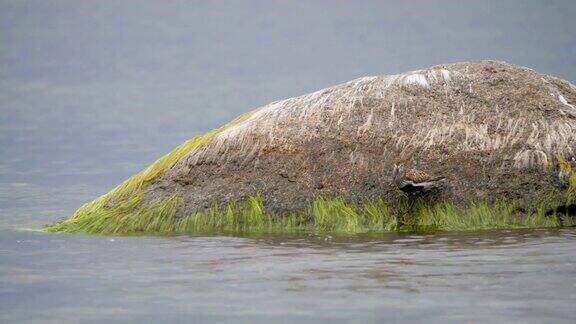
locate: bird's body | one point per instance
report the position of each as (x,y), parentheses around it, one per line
(415,181)
(417,176)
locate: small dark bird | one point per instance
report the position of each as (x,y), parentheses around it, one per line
(414,181)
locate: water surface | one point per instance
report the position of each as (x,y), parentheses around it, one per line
(498,276)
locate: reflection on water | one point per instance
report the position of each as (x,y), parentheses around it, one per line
(495,276)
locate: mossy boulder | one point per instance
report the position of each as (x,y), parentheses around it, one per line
(497,132)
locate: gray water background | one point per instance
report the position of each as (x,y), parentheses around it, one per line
(93,91)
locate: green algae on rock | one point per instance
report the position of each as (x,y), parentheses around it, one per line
(504,136)
(322,216)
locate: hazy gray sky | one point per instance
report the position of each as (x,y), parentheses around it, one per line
(94,90)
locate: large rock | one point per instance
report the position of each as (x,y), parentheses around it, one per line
(492,128)
(503,136)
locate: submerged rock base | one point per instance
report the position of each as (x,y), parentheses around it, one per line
(504,137)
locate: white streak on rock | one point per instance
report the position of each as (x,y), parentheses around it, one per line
(446,75)
(416,79)
(392,117)
(563,101)
(366,126)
